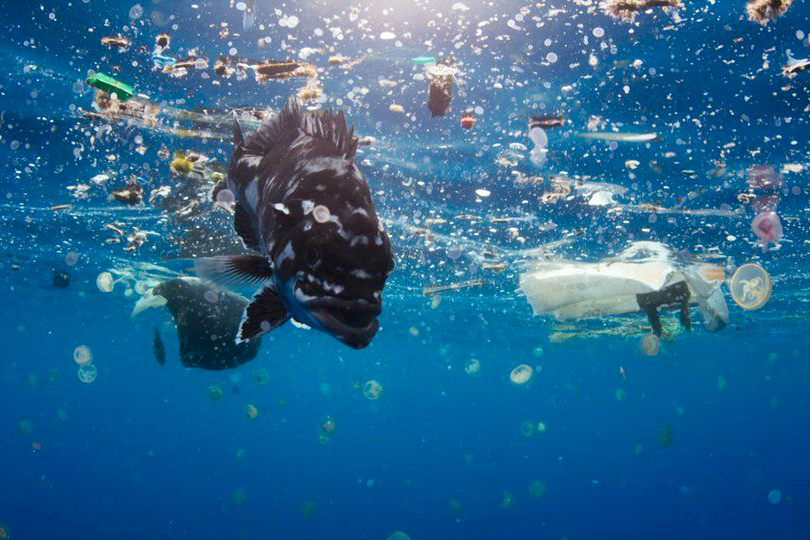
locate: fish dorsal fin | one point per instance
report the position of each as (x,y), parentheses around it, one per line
(288,121)
(331,127)
(324,125)
(238,139)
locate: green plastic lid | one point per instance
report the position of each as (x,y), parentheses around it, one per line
(111,86)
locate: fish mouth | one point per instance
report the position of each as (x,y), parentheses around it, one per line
(354,322)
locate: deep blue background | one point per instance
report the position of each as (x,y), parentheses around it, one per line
(142,452)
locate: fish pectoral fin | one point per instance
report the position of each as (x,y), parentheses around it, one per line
(265,312)
(234,270)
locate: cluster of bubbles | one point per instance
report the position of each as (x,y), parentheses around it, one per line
(83,357)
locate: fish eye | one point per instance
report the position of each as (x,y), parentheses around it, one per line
(313,256)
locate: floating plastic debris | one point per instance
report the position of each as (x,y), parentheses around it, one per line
(794,66)
(620,137)
(750,286)
(765,11)
(627,9)
(115,41)
(440,86)
(467,121)
(162,62)
(430,291)
(112,86)
(423,59)
(521,374)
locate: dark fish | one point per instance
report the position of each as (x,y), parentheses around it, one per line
(158,348)
(304,207)
(546,122)
(207,321)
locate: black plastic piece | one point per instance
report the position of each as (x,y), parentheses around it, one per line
(675,295)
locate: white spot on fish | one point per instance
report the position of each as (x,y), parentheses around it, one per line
(360,274)
(359,240)
(286,253)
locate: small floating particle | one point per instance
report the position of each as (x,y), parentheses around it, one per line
(467,121)
(396,108)
(115,41)
(431,291)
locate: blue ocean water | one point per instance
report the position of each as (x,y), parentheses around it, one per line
(707,439)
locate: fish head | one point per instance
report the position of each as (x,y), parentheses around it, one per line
(332,266)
